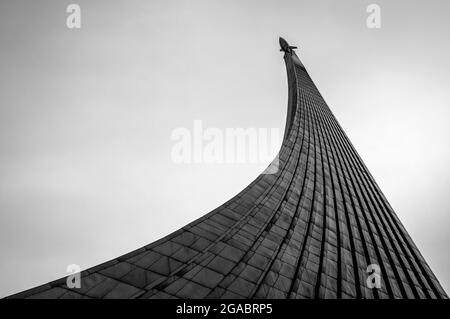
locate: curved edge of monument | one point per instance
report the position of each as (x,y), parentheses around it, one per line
(57,287)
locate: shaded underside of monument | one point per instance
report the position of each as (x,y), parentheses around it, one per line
(310,230)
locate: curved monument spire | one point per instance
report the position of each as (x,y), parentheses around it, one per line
(314,229)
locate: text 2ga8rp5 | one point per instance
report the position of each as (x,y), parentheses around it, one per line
(246,308)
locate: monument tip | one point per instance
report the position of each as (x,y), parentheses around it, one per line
(285,46)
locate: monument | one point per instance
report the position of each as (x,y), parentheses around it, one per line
(319,227)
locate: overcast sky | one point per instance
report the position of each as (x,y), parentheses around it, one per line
(86,116)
